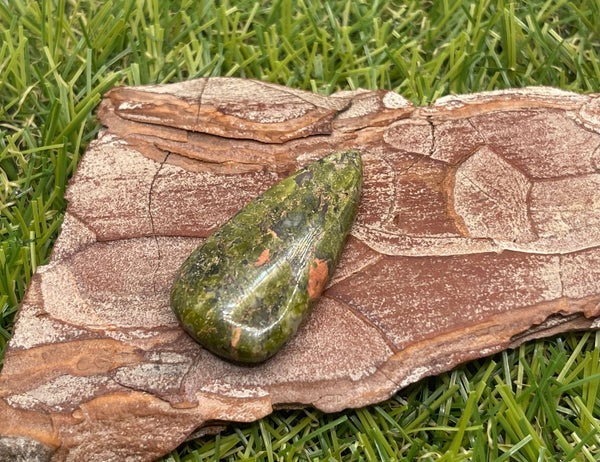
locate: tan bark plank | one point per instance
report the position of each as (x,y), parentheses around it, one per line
(478,229)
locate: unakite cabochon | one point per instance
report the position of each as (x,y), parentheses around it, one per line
(245,291)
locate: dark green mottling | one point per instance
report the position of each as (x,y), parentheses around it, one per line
(244,304)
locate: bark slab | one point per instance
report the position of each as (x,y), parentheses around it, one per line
(478,229)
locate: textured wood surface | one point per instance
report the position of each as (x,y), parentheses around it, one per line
(478,229)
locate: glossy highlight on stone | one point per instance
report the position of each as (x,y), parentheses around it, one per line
(245,291)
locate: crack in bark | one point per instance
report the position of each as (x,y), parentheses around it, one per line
(474,127)
(432,148)
(152,227)
(205,82)
(552,321)
(357,269)
(79,219)
(390,344)
(528,200)
(305,100)
(597,165)
(560,275)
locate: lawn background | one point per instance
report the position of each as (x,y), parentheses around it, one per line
(539,402)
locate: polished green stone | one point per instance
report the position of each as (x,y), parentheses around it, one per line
(245,291)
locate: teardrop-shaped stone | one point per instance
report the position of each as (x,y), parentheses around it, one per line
(245,291)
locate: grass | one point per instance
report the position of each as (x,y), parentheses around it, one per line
(539,402)
(534,403)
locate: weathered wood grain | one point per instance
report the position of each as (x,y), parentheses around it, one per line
(478,229)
